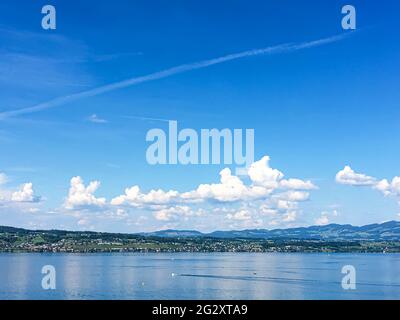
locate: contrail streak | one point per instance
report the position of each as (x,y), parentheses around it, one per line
(146,118)
(289,47)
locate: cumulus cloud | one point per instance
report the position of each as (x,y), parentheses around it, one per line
(230,188)
(239,215)
(80,196)
(267,210)
(25,194)
(388,188)
(267,187)
(134,197)
(167,214)
(285,205)
(297,184)
(239,202)
(325,217)
(264,181)
(254,200)
(294,196)
(263,175)
(349,177)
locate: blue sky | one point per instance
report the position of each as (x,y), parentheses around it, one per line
(314,111)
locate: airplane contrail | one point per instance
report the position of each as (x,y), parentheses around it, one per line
(146,118)
(288,47)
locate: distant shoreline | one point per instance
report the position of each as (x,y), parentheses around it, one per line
(5,253)
(376,238)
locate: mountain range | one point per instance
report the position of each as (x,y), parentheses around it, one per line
(387,231)
(332,232)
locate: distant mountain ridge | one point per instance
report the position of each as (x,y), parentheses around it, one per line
(332,232)
(387,231)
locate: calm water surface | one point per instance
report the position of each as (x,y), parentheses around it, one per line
(200,276)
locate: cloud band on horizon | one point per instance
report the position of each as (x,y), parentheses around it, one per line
(283,48)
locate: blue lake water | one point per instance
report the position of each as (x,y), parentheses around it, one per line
(200,276)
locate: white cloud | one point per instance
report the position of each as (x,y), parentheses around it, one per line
(268,211)
(267,191)
(83,222)
(25,194)
(231,188)
(388,188)
(239,215)
(231,202)
(263,196)
(325,217)
(95,119)
(134,197)
(349,177)
(290,216)
(294,196)
(3,178)
(263,175)
(121,213)
(80,196)
(297,184)
(265,180)
(170,213)
(285,205)
(322,220)
(22,200)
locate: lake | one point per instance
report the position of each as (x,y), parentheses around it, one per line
(199,276)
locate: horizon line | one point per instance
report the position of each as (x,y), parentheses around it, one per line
(202,232)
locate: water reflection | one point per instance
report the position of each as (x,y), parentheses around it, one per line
(199,276)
